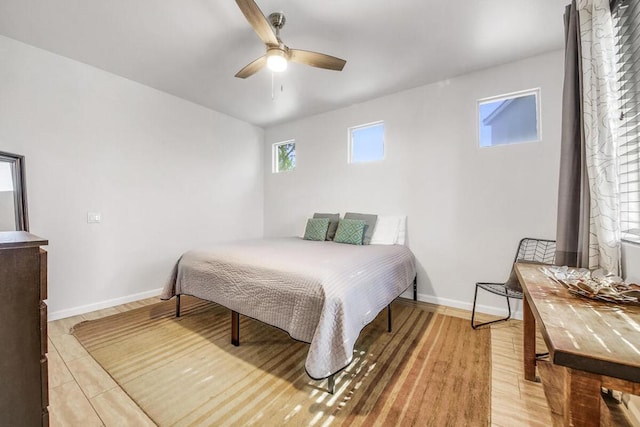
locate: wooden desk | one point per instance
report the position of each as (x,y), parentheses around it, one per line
(591,344)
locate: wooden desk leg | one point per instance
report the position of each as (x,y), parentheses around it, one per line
(582,399)
(529,342)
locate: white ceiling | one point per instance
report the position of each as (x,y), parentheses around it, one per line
(193,48)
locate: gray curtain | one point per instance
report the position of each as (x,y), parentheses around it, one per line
(572,235)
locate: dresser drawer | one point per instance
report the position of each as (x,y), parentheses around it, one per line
(44,341)
(43,274)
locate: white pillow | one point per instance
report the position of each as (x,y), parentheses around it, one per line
(389,230)
(402,230)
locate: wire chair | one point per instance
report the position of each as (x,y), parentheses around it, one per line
(539,251)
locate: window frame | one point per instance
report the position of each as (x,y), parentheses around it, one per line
(275,159)
(16,162)
(350,141)
(511,95)
(627,58)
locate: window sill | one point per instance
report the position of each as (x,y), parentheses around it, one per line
(631,240)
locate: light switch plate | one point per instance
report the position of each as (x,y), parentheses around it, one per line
(94,217)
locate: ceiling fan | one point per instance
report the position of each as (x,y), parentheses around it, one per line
(278,54)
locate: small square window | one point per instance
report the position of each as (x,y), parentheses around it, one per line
(509,119)
(366,143)
(284,156)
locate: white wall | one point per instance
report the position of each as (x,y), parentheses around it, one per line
(631,262)
(167,175)
(467,207)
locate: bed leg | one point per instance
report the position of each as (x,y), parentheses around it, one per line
(177,305)
(331,387)
(389,318)
(415,288)
(235,328)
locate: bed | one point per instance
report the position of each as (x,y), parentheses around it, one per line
(320,292)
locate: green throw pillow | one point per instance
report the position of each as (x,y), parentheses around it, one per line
(350,231)
(333,223)
(316,229)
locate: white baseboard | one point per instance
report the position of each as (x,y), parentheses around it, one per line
(516,309)
(74,311)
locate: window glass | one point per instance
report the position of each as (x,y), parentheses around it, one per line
(366,143)
(284,156)
(509,119)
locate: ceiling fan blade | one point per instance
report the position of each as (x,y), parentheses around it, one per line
(258,21)
(252,68)
(316,59)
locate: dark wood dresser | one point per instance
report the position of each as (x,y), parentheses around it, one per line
(24,394)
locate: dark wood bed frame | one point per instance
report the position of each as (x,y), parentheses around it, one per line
(235,328)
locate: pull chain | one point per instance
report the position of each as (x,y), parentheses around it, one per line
(273,86)
(273,93)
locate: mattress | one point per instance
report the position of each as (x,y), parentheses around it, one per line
(322,293)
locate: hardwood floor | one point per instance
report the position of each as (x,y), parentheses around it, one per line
(83,394)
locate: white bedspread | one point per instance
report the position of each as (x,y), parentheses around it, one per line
(322,293)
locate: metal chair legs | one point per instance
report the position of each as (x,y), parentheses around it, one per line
(473,313)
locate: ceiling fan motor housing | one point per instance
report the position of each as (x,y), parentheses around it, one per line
(281,50)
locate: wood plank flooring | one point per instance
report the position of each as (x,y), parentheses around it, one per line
(83,394)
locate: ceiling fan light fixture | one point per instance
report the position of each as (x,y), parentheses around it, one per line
(276,60)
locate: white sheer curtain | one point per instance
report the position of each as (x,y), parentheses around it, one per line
(600,132)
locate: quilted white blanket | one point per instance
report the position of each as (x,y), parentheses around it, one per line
(322,293)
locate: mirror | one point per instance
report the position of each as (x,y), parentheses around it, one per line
(13,198)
